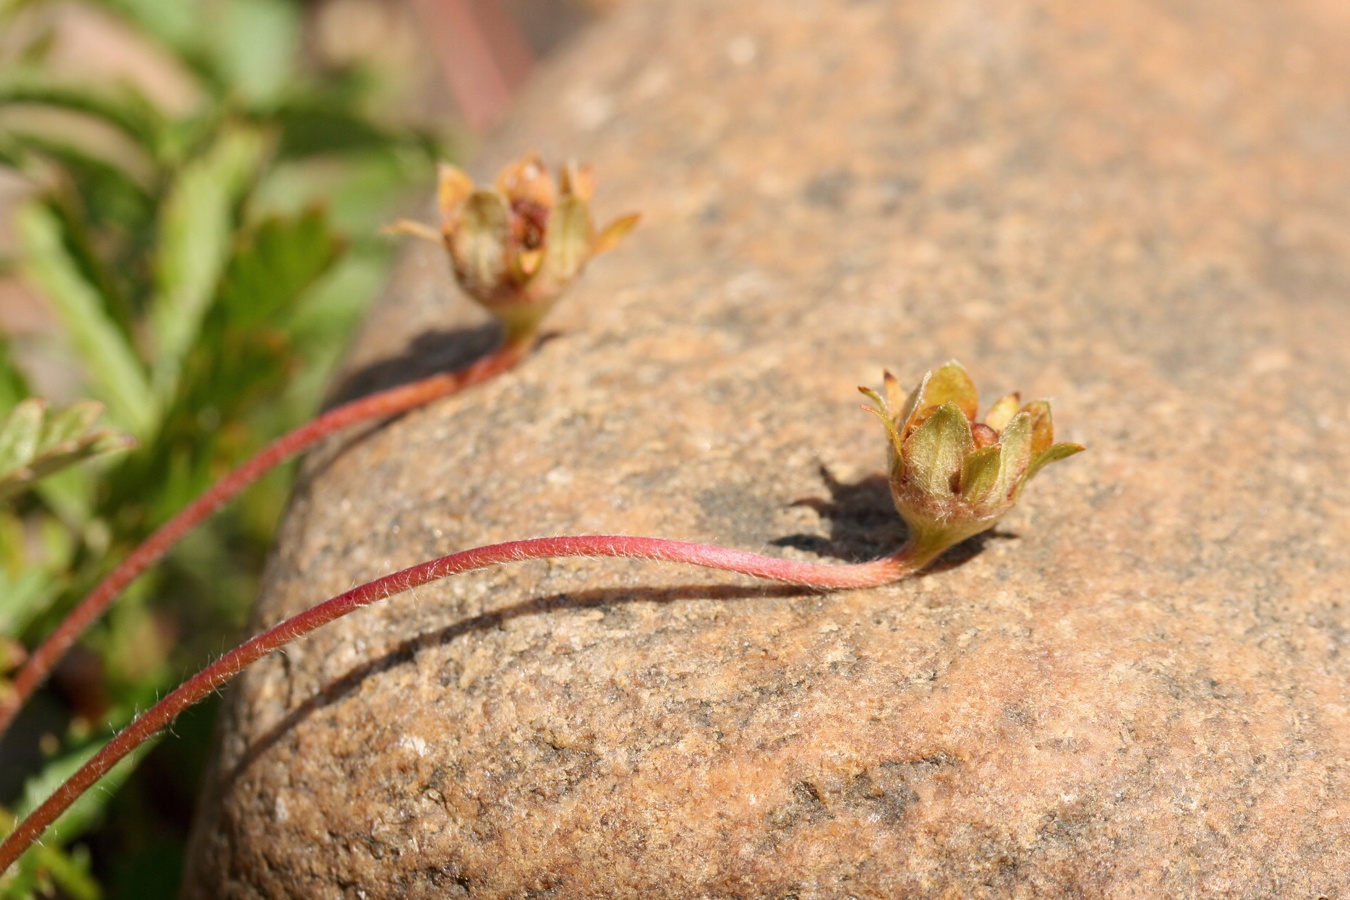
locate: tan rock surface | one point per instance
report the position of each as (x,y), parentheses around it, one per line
(1138,686)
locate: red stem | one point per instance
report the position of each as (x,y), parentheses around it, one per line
(881,571)
(385,403)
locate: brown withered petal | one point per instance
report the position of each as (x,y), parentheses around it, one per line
(983,434)
(527,180)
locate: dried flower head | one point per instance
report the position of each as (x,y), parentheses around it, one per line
(951,476)
(516,245)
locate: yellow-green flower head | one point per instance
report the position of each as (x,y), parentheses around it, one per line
(516,245)
(951,476)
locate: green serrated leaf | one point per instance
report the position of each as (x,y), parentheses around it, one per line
(36,443)
(69,424)
(273,266)
(195,231)
(121,107)
(113,371)
(63,456)
(312,125)
(245,354)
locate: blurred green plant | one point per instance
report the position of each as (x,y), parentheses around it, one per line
(35,444)
(195,264)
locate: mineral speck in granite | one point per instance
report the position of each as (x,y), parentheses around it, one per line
(1138,685)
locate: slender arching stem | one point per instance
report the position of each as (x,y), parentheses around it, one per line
(376,406)
(882,571)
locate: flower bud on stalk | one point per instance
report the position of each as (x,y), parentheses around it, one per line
(516,246)
(951,476)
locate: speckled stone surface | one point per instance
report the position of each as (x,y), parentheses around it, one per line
(1139,686)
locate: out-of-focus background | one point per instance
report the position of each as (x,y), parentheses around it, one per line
(191,197)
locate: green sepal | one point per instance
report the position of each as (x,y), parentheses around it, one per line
(1016,455)
(610,236)
(882,412)
(1053,454)
(478,245)
(934,452)
(568,239)
(896,401)
(951,384)
(979,473)
(1042,426)
(909,411)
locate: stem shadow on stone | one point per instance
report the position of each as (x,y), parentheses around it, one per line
(407,650)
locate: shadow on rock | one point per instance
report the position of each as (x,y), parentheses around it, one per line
(405,652)
(863,525)
(428,354)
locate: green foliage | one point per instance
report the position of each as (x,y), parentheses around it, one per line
(114,373)
(197,265)
(196,222)
(36,441)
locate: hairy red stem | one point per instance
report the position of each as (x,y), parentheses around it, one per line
(882,571)
(385,403)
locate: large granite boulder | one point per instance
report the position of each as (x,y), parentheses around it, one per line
(1139,685)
